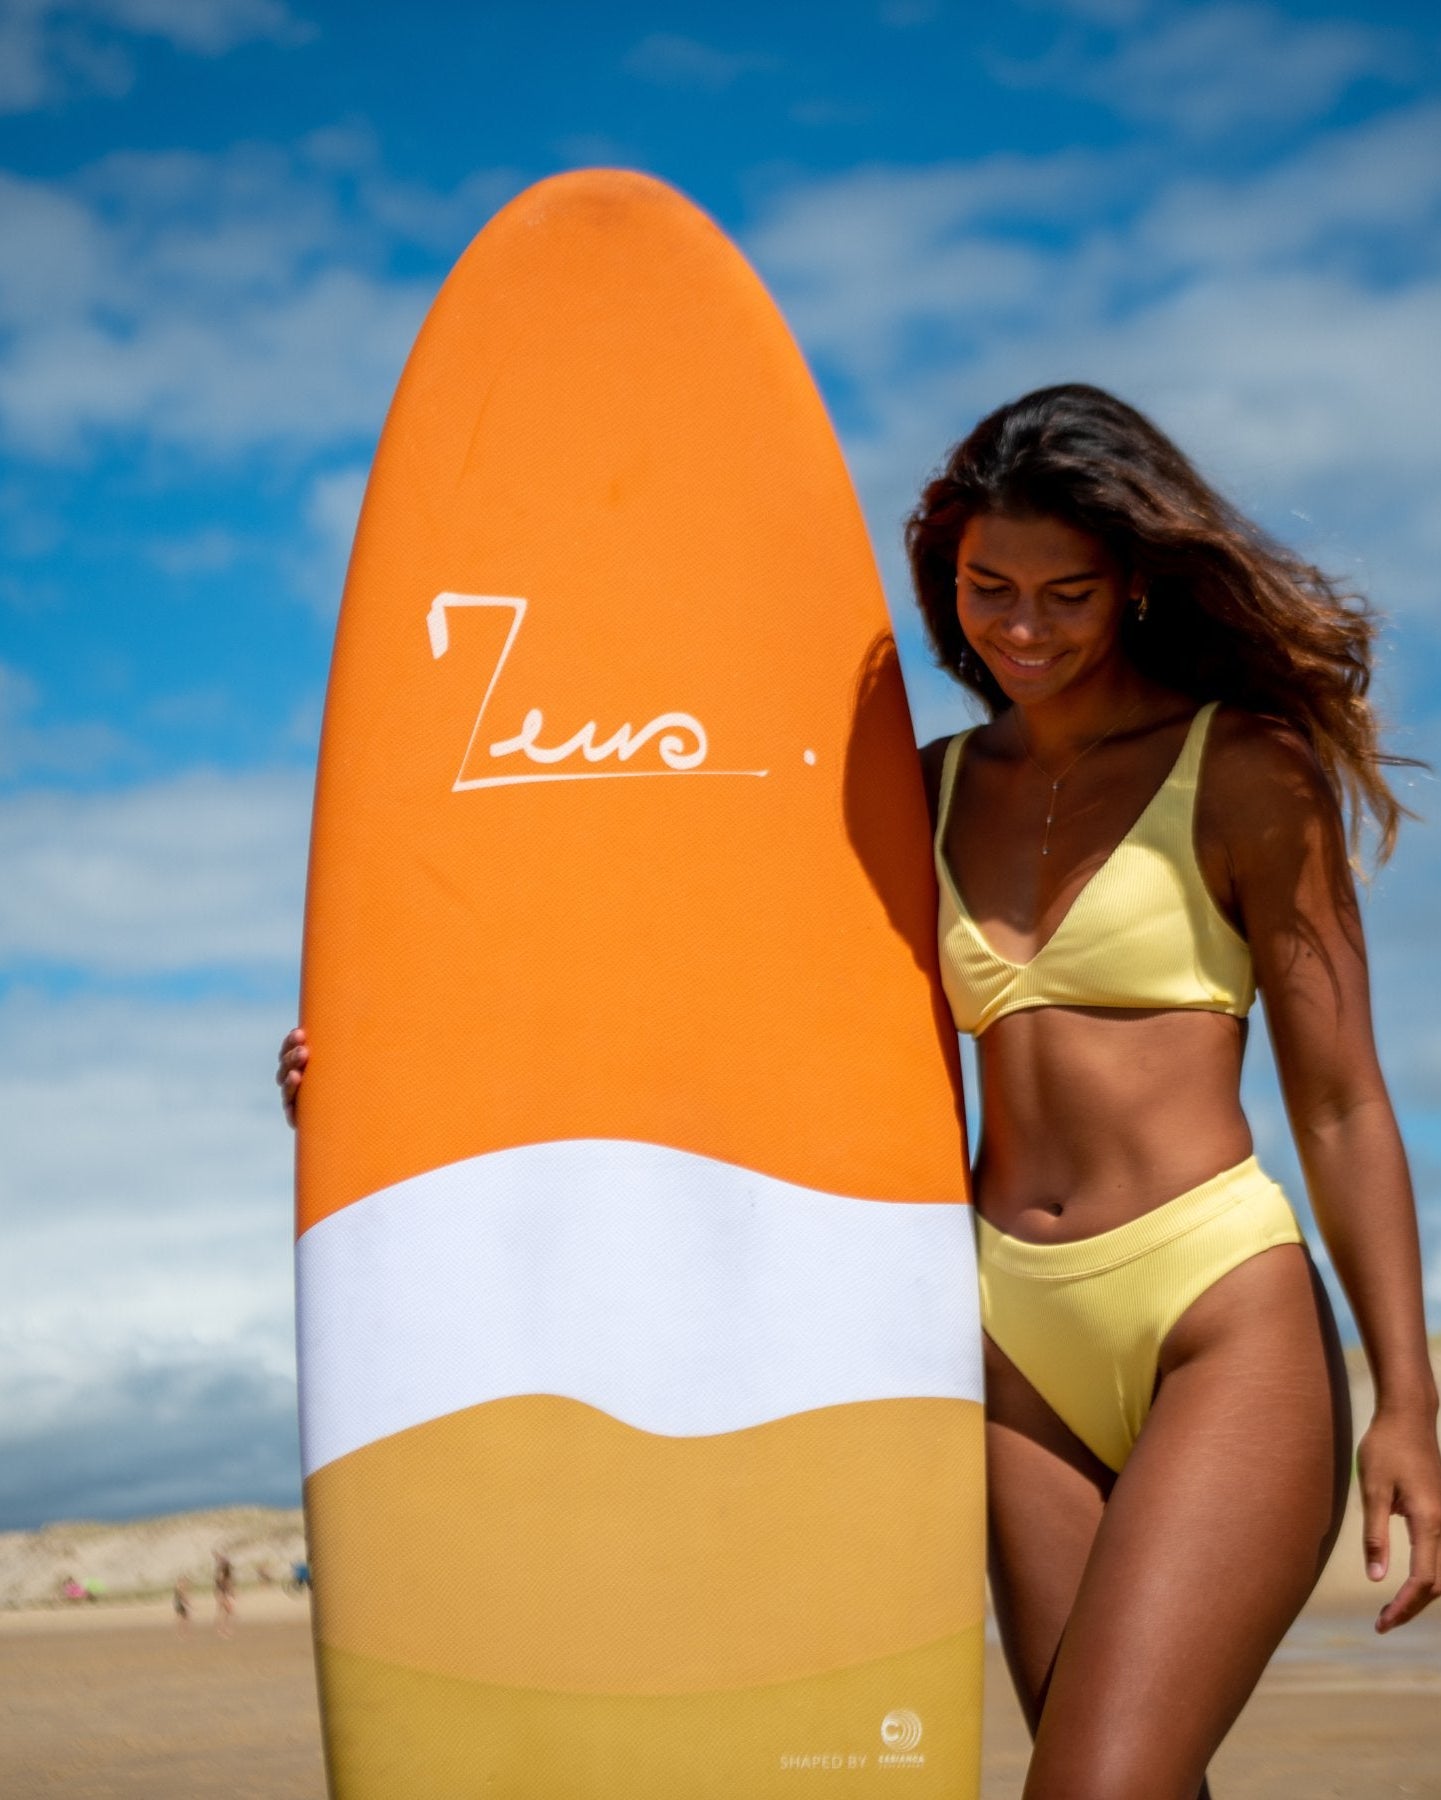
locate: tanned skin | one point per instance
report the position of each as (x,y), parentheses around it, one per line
(1138,1611)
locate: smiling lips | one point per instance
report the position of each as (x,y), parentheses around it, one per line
(1031,664)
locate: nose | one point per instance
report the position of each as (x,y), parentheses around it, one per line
(1024,626)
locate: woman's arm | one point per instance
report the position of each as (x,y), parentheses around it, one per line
(1294,894)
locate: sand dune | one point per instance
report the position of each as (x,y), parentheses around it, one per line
(145,1556)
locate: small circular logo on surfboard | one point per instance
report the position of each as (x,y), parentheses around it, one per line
(900,1730)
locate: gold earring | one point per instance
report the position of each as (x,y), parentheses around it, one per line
(1143,601)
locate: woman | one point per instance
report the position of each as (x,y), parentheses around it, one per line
(1147,828)
(1121,861)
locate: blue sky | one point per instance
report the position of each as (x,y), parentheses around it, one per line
(221,222)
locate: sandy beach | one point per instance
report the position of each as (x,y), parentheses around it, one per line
(111,1703)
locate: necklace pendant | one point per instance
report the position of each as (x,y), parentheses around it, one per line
(1056,780)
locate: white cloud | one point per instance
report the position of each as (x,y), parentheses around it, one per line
(50,48)
(411,211)
(1284,383)
(312,369)
(671,60)
(442,222)
(204,552)
(304,372)
(334,505)
(147,1277)
(156,1123)
(200,872)
(864,261)
(57,251)
(1344,195)
(159,1430)
(216,303)
(1208,71)
(1297,378)
(332,508)
(302,728)
(206,27)
(38,61)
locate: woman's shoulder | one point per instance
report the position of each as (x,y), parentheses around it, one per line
(1267,757)
(1263,786)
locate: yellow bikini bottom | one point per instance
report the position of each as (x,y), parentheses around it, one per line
(1084,1322)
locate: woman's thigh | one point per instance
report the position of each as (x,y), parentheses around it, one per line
(1045,1495)
(1214,1535)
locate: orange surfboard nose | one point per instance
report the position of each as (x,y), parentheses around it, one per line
(620,460)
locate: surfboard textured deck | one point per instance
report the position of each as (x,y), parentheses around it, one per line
(640,1376)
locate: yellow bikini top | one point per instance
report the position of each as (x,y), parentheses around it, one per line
(1143,931)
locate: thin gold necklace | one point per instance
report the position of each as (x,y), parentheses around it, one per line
(1056,780)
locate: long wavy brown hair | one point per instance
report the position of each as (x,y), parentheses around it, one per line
(1231,615)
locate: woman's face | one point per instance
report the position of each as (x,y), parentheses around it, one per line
(1040,602)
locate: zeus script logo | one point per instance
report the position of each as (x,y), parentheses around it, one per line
(679,737)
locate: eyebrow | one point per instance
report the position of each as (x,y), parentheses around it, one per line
(1055,581)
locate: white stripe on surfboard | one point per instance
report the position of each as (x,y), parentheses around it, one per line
(679,1294)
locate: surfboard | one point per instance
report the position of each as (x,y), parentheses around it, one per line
(639,1358)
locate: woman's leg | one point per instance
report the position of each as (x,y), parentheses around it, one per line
(1045,1493)
(1045,1496)
(1214,1535)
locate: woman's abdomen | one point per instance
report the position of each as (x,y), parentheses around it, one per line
(1091,1117)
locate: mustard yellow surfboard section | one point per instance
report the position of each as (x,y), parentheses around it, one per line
(640,1374)
(406,1731)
